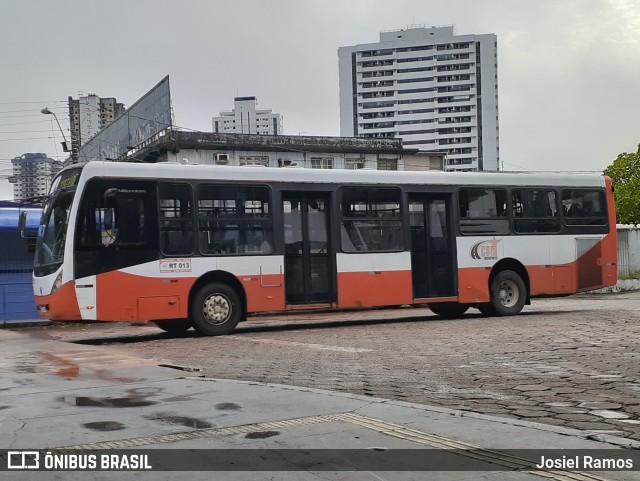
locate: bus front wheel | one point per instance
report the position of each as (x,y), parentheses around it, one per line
(448,310)
(508,293)
(216,309)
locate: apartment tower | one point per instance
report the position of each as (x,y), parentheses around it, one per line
(32,175)
(436,90)
(88,115)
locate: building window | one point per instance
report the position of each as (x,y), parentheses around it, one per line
(254,160)
(388,164)
(354,164)
(322,162)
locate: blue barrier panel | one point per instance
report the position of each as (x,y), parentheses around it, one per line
(17,303)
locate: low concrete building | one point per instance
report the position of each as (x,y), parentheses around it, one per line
(247,118)
(285,151)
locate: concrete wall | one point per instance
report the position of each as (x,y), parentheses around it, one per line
(628,251)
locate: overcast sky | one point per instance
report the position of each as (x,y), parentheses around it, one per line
(568,71)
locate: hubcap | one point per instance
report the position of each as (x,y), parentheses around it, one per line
(508,293)
(216,309)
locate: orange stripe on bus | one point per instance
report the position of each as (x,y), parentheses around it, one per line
(61,306)
(473,285)
(127,297)
(369,289)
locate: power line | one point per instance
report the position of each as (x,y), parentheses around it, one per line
(32,102)
(26,123)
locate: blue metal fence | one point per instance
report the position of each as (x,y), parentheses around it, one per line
(16,265)
(16,300)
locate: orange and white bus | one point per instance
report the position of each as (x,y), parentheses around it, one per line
(205,246)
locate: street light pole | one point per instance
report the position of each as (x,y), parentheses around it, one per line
(65,144)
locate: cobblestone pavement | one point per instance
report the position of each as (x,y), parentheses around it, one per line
(572,362)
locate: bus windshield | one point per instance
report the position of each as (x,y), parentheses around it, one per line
(52,231)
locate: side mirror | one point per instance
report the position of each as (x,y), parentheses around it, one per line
(22,222)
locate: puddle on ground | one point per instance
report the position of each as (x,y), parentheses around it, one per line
(137,398)
(227,406)
(104,375)
(181,420)
(26,364)
(108,402)
(261,434)
(174,399)
(105,426)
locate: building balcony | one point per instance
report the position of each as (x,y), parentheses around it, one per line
(416,117)
(445,61)
(376,88)
(369,76)
(363,57)
(369,128)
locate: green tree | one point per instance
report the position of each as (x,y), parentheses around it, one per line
(625,175)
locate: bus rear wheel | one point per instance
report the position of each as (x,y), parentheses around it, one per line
(216,309)
(508,293)
(174,326)
(448,310)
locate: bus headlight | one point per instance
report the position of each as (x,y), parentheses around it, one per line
(57,284)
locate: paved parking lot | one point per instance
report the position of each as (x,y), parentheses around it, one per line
(572,362)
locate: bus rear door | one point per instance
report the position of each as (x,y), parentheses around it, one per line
(432,248)
(309,277)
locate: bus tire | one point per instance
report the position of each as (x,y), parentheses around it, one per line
(487,309)
(508,293)
(448,310)
(174,326)
(216,309)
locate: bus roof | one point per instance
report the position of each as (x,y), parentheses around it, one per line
(174,171)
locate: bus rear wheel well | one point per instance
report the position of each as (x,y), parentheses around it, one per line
(510,264)
(222,277)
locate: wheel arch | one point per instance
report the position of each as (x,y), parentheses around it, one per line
(221,277)
(510,264)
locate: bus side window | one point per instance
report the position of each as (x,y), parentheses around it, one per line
(371,220)
(483,211)
(176,219)
(535,210)
(584,207)
(234,219)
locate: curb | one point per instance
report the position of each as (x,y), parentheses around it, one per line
(590,435)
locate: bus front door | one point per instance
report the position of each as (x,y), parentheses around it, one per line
(432,251)
(307,260)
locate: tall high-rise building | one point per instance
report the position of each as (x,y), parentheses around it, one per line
(32,175)
(88,115)
(436,90)
(246,118)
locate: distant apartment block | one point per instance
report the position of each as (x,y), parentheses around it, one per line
(88,115)
(436,90)
(246,118)
(32,175)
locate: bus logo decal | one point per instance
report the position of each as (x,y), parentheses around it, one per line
(175,265)
(485,250)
